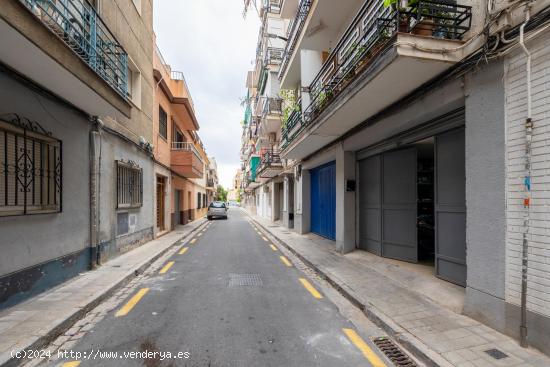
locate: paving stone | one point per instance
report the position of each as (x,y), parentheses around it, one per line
(458,338)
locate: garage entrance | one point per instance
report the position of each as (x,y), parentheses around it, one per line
(323,200)
(412,204)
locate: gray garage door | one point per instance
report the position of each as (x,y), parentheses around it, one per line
(388,204)
(450,207)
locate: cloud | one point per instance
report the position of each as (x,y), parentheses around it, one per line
(211,43)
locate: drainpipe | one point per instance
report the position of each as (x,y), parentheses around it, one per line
(95,182)
(527,183)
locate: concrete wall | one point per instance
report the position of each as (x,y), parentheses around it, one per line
(485,195)
(141,220)
(39,251)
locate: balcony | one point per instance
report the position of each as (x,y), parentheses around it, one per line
(369,61)
(294,32)
(270,164)
(271,6)
(271,116)
(273,56)
(185,160)
(80,27)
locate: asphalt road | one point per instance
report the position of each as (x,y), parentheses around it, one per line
(228,300)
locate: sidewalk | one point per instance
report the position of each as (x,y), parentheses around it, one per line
(433,333)
(34,323)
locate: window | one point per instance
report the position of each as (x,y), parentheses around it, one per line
(134,83)
(163,123)
(129,185)
(30,169)
(204,200)
(199,200)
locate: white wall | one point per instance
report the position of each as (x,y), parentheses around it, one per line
(538,294)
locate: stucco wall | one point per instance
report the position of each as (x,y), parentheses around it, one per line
(27,241)
(141,220)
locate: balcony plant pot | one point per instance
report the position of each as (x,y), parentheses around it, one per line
(425,27)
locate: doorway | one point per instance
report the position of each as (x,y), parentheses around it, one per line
(161,195)
(412,204)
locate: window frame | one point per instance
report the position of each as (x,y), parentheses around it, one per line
(121,195)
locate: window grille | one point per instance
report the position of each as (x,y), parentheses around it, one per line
(129,185)
(30,168)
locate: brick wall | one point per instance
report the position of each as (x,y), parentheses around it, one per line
(516,110)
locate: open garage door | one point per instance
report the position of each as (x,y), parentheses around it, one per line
(399,239)
(370,204)
(450,207)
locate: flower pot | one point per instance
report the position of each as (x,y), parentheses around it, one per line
(425,27)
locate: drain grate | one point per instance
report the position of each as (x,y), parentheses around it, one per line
(496,354)
(245,280)
(394,353)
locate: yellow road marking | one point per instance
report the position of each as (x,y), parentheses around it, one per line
(285,261)
(265,239)
(166,267)
(71,364)
(193,241)
(131,303)
(307,285)
(273,247)
(183,250)
(364,348)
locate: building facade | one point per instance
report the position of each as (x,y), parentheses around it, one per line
(416,132)
(182,168)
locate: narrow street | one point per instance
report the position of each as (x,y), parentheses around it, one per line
(227,298)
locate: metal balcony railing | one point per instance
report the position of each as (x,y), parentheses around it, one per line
(186,146)
(294,33)
(369,34)
(273,56)
(272,6)
(294,119)
(77,23)
(272,106)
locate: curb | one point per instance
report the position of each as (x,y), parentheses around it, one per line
(407,340)
(66,324)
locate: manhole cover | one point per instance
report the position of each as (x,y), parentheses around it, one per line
(394,353)
(496,354)
(245,280)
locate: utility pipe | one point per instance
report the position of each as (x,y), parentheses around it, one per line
(95,185)
(527,199)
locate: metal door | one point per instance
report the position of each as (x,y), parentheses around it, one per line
(450,207)
(323,200)
(370,205)
(399,207)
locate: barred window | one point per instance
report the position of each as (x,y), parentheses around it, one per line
(163,123)
(129,185)
(30,169)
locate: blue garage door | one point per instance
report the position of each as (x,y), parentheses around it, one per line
(323,200)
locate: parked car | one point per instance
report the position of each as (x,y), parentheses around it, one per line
(217,209)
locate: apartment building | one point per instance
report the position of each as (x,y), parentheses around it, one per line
(76,126)
(212,181)
(182,168)
(416,131)
(262,122)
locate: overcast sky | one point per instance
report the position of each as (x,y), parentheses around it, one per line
(211,43)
